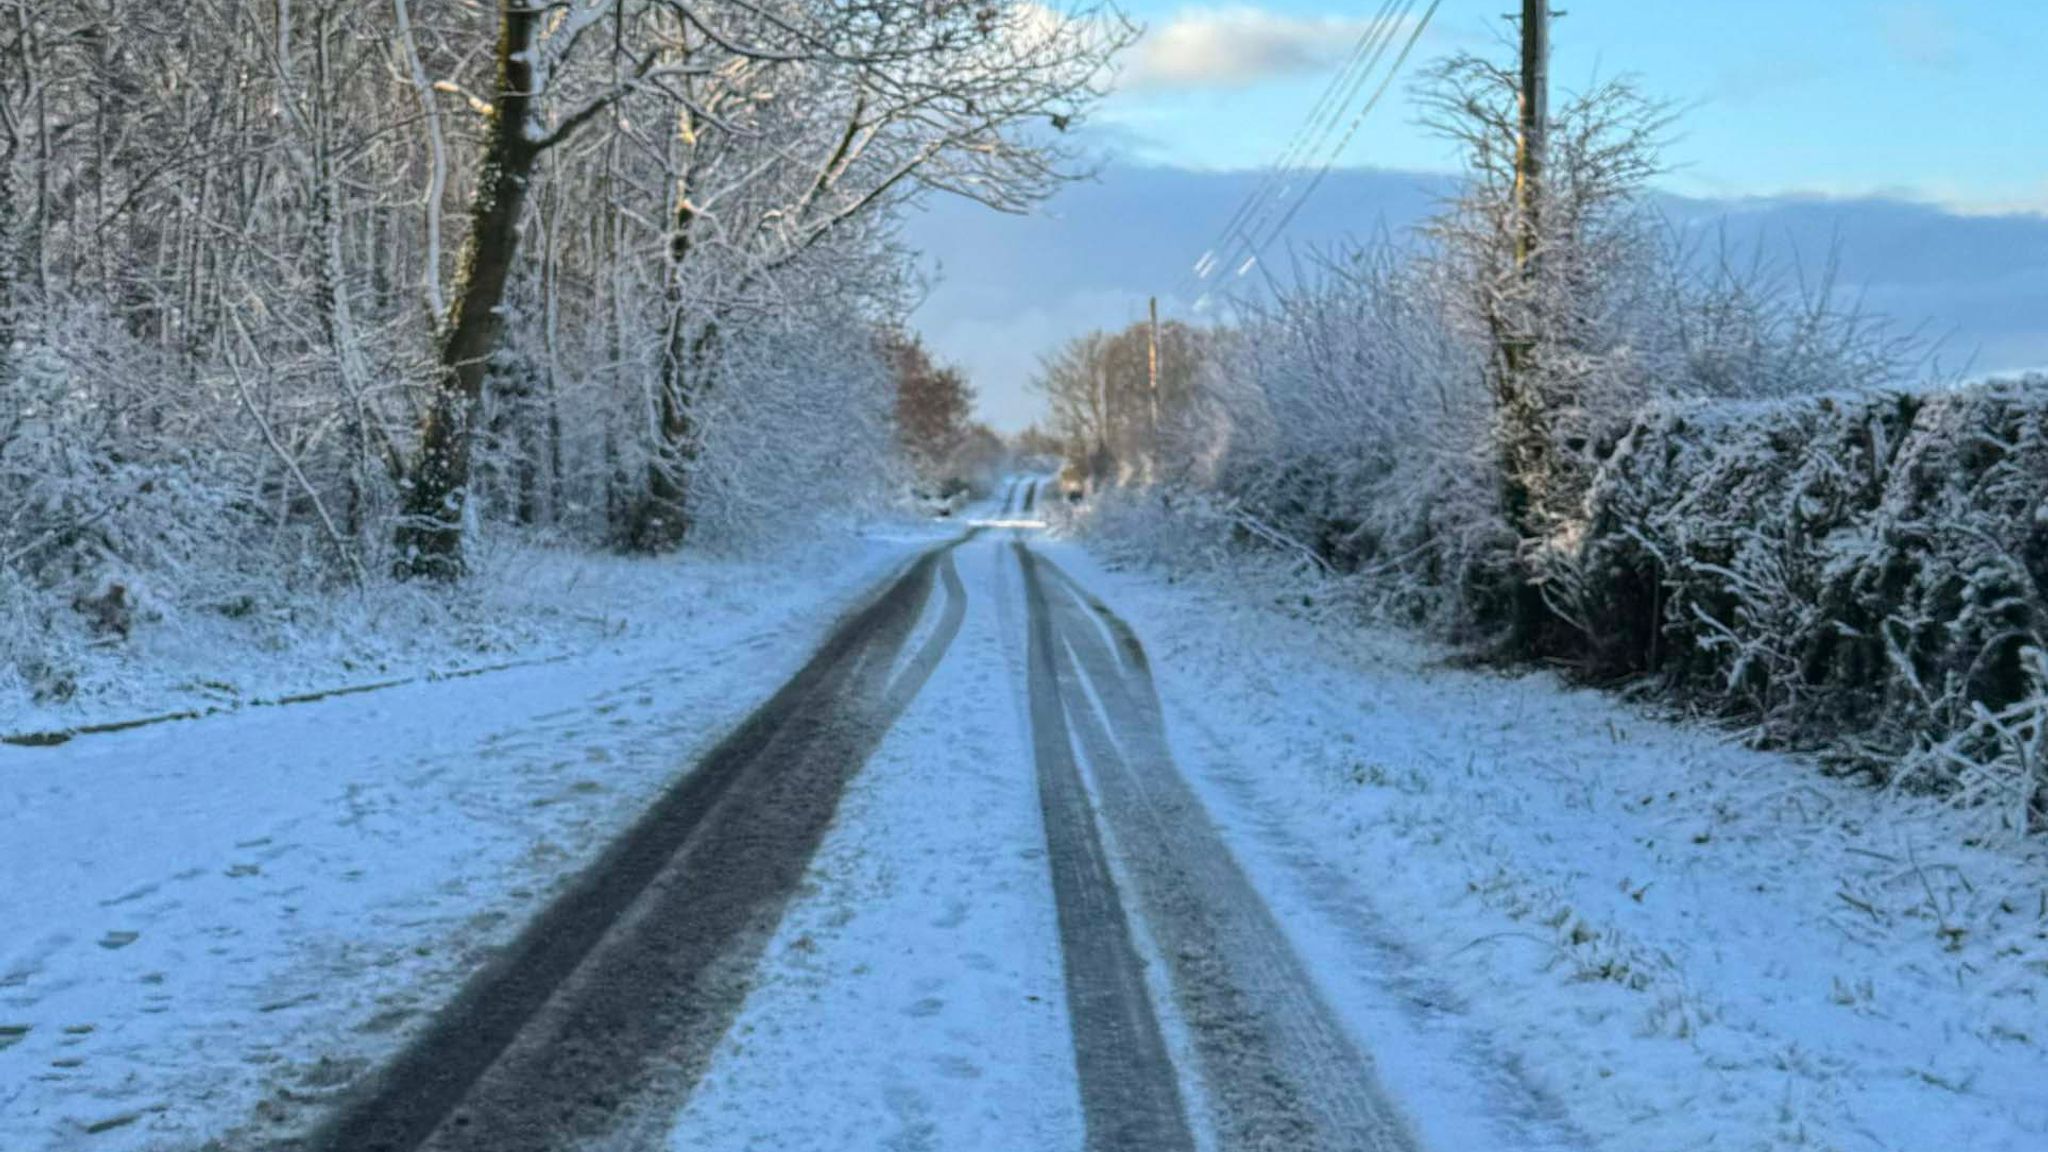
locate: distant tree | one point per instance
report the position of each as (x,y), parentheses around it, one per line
(1108,415)
(1035,441)
(934,408)
(979,458)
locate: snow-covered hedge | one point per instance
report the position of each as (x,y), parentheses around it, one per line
(1867,574)
(1354,421)
(1864,575)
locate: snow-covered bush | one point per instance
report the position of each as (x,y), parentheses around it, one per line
(1868,575)
(800,431)
(1357,428)
(124,505)
(1702,502)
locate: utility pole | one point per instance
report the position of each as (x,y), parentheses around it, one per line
(1525,446)
(1529,151)
(1152,386)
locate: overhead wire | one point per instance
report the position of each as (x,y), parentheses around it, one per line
(1306,141)
(1349,133)
(1379,36)
(1273,204)
(1327,108)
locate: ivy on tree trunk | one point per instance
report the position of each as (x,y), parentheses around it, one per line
(430,535)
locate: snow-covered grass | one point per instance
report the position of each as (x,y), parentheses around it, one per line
(523,602)
(1631,933)
(208,922)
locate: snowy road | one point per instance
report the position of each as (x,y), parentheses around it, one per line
(1189,1020)
(606,1004)
(1279,1068)
(1020,852)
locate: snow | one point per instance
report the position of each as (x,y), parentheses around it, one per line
(222,919)
(1554,920)
(914,997)
(1614,931)
(524,604)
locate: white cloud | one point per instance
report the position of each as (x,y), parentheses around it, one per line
(1236,48)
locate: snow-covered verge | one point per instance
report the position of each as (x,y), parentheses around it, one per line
(205,926)
(1651,937)
(523,602)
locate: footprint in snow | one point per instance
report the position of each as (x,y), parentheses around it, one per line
(131,896)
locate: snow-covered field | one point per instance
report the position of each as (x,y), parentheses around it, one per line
(211,920)
(1629,934)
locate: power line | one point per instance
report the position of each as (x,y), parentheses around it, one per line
(1306,139)
(1383,32)
(1350,132)
(1327,108)
(1255,226)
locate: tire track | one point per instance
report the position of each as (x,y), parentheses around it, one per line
(600,1015)
(1280,1069)
(1130,1095)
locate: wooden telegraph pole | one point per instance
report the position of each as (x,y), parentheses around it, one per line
(1529,151)
(1525,433)
(1152,385)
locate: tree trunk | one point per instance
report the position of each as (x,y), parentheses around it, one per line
(10,257)
(430,535)
(1526,464)
(550,327)
(688,367)
(1526,448)
(662,520)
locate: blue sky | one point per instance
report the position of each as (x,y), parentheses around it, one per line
(1909,132)
(1917,99)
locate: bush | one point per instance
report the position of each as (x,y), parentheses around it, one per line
(1867,575)
(113,517)
(1861,575)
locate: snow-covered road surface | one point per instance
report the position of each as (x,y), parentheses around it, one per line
(594,1024)
(1278,1069)
(1030,853)
(1130,1095)
(600,1012)
(209,929)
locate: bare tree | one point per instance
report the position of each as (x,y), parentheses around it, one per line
(295,291)
(1545,314)
(914,95)
(1104,407)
